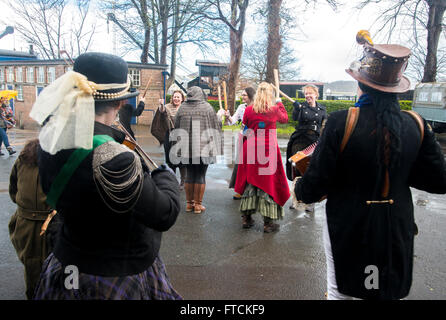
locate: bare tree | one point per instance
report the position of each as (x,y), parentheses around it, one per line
(279,25)
(254,62)
(167,24)
(231,13)
(41,24)
(81,33)
(423,16)
(274,39)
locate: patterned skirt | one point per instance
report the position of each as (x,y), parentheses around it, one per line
(152,284)
(256,200)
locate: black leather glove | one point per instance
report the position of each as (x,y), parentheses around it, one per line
(296,104)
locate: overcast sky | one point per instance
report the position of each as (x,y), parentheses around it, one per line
(327,50)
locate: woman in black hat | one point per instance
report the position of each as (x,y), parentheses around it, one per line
(113,208)
(369,234)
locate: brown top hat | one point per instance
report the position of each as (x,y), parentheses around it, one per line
(382,67)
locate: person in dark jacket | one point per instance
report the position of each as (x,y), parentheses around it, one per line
(311,117)
(127,111)
(369,231)
(5,119)
(114,210)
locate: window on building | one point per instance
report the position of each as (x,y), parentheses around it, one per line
(2,76)
(30,74)
(19,74)
(40,75)
(10,74)
(68,69)
(39,90)
(51,74)
(135,77)
(19,90)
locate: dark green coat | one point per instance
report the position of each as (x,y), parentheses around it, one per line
(25,224)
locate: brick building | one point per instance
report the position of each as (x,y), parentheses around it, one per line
(29,77)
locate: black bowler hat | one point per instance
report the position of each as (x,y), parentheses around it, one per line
(104,68)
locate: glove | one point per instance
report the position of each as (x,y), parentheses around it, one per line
(162,168)
(296,104)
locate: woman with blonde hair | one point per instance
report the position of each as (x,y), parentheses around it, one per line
(311,117)
(261,178)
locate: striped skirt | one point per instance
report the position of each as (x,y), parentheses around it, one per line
(152,284)
(256,200)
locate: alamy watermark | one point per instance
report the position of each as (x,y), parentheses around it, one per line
(371,282)
(72,280)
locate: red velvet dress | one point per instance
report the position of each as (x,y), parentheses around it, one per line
(259,156)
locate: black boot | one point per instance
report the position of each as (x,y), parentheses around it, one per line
(269,226)
(248,221)
(11,151)
(182,177)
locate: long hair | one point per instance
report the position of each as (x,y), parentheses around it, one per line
(264,98)
(251,92)
(388,127)
(29,152)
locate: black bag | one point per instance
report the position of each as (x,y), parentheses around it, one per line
(159,126)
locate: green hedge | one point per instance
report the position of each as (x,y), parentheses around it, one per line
(216,105)
(331,105)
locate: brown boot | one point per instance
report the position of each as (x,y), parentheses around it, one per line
(198,197)
(269,226)
(189,189)
(248,221)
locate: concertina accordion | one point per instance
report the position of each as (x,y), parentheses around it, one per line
(302,158)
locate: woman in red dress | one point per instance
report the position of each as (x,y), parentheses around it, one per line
(261,178)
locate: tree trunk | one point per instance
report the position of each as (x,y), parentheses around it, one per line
(236,48)
(164,16)
(155,34)
(274,39)
(146,22)
(173,58)
(434,28)
(145,47)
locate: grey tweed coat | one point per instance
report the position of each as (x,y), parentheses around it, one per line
(200,137)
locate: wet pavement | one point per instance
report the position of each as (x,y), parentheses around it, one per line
(210,256)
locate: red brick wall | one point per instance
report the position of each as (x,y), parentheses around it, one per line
(23,108)
(154,93)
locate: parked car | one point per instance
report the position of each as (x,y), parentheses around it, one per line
(430,102)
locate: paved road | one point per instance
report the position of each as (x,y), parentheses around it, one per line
(209,256)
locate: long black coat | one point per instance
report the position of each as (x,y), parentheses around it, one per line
(127,112)
(379,234)
(307,130)
(96,239)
